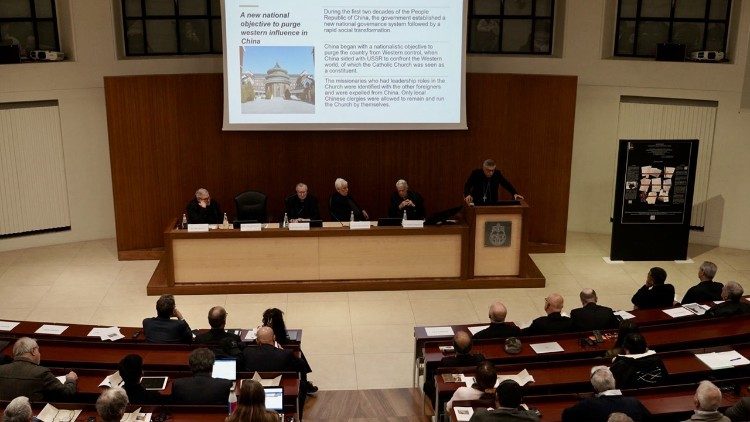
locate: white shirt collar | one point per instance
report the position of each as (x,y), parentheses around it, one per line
(610,393)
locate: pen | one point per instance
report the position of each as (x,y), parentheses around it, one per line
(732,360)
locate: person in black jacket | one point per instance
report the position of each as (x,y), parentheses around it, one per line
(164,329)
(405,199)
(202,210)
(217,319)
(733,305)
(608,400)
(655,294)
(638,367)
(342,205)
(201,388)
(301,205)
(554,322)
(131,371)
(740,411)
(707,289)
(462,342)
(482,185)
(592,316)
(498,327)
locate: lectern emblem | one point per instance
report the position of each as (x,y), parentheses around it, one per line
(497,233)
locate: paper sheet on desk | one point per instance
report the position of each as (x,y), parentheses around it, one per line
(463,413)
(474,330)
(251,335)
(625,315)
(550,347)
(51,329)
(722,360)
(136,416)
(114,380)
(106,333)
(522,378)
(8,325)
(52,414)
(267,382)
(677,312)
(439,331)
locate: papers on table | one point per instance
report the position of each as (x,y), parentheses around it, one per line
(439,331)
(106,333)
(267,382)
(51,329)
(463,413)
(8,325)
(476,329)
(522,378)
(114,380)
(550,347)
(722,360)
(696,308)
(251,335)
(52,414)
(61,378)
(677,312)
(624,315)
(136,416)
(716,302)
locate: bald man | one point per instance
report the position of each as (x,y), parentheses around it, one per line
(462,342)
(217,319)
(707,400)
(552,323)
(592,316)
(498,327)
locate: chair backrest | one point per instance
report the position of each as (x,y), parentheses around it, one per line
(251,205)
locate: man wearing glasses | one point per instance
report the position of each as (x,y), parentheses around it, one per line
(25,377)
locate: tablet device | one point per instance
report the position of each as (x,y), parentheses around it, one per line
(154,383)
(225,368)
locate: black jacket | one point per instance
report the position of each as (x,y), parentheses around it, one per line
(267,358)
(658,296)
(200,389)
(198,215)
(295,208)
(504,415)
(593,317)
(636,371)
(166,330)
(139,395)
(729,308)
(342,207)
(416,212)
(499,330)
(553,323)
(598,409)
(215,336)
(479,186)
(705,291)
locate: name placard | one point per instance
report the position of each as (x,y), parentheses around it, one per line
(197,228)
(359,225)
(250,227)
(412,224)
(299,226)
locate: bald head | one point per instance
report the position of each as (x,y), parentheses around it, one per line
(588,296)
(707,396)
(462,342)
(265,335)
(553,303)
(217,317)
(498,312)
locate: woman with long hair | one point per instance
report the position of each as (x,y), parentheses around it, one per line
(627,327)
(251,405)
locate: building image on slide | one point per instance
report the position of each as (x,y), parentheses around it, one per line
(277,79)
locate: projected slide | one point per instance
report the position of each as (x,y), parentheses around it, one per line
(318,64)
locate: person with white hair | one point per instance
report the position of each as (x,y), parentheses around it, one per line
(111,404)
(342,205)
(733,305)
(619,417)
(25,377)
(607,400)
(707,289)
(18,410)
(707,400)
(482,185)
(405,199)
(203,210)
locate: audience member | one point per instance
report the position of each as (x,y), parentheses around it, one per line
(655,294)
(509,400)
(217,319)
(201,388)
(740,411)
(462,343)
(638,367)
(25,377)
(627,327)
(554,322)
(707,289)
(607,400)
(203,210)
(498,327)
(619,417)
(592,316)
(251,405)
(111,404)
(131,371)
(274,318)
(18,410)
(707,400)
(164,329)
(734,305)
(484,383)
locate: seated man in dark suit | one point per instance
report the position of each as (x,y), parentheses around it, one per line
(301,205)
(707,289)
(25,377)
(655,294)
(740,411)
(734,305)
(164,329)
(131,371)
(202,210)
(707,401)
(217,319)
(592,316)
(638,367)
(406,200)
(608,400)
(509,398)
(343,205)
(201,388)
(554,322)
(462,342)
(498,327)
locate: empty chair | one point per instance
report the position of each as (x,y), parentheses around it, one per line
(251,205)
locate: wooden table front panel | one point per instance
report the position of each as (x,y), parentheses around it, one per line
(497,261)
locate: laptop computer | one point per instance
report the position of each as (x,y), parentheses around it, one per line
(274,398)
(225,368)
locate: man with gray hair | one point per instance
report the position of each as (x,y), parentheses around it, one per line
(707,289)
(25,377)
(707,400)
(301,205)
(734,305)
(342,206)
(201,388)
(592,316)
(482,185)
(111,404)
(619,417)
(498,328)
(203,210)
(406,200)
(18,410)
(607,400)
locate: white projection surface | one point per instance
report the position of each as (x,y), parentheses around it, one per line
(344,64)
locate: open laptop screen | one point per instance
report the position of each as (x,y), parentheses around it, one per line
(225,368)
(274,398)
